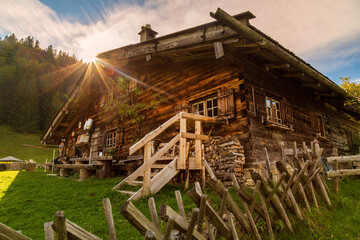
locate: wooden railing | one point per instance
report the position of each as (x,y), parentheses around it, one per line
(150,158)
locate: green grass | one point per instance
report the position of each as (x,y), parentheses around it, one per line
(11,145)
(28,199)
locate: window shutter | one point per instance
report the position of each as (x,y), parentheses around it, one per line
(226,103)
(286,112)
(119,137)
(314,121)
(260,103)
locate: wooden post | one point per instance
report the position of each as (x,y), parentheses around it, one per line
(267,217)
(251,220)
(198,155)
(149,235)
(283,156)
(139,220)
(109,218)
(295,151)
(202,212)
(147,172)
(60,227)
(203,174)
(236,183)
(48,231)
(335,180)
(180,204)
(268,166)
(63,171)
(231,224)
(192,223)
(169,227)
(255,193)
(182,150)
(187,171)
(153,212)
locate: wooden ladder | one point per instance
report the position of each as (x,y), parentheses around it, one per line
(153,185)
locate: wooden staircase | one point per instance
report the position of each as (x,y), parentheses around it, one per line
(153,182)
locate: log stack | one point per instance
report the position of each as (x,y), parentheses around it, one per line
(225,156)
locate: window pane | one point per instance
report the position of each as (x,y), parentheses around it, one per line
(215,102)
(210,113)
(268,102)
(209,103)
(201,106)
(215,112)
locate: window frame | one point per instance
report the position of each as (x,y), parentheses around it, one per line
(110,139)
(205,109)
(269,109)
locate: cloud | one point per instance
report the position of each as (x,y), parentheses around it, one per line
(357,80)
(305,27)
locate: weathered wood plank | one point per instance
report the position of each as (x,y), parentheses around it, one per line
(180,223)
(210,212)
(11,233)
(109,218)
(139,220)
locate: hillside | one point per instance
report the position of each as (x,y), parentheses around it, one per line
(11,144)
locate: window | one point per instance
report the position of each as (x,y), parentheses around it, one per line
(320,126)
(273,113)
(317,124)
(208,107)
(110,139)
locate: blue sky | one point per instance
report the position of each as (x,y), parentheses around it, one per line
(325,33)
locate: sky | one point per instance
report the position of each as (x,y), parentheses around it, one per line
(325,33)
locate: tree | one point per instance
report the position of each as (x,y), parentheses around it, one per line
(25,114)
(352,89)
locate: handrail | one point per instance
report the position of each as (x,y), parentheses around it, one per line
(148,163)
(343,159)
(150,136)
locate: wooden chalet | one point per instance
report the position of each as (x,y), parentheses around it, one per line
(227,78)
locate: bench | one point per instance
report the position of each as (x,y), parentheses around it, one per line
(85,169)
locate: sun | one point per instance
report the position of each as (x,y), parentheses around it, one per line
(89,59)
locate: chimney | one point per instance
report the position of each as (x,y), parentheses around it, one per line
(147,33)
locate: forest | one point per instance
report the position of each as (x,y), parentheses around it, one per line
(34,82)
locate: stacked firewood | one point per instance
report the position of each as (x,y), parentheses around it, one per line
(225,156)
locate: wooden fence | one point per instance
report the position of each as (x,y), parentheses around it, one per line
(337,172)
(297,188)
(293,192)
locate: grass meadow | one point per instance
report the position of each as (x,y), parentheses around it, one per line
(28,199)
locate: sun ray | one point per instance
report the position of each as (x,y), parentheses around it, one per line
(122,73)
(60,75)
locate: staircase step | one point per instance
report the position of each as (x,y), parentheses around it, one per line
(152,174)
(158,165)
(157,182)
(166,158)
(126,192)
(136,183)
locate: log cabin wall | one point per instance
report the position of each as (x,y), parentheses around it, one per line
(181,84)
(299,110)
